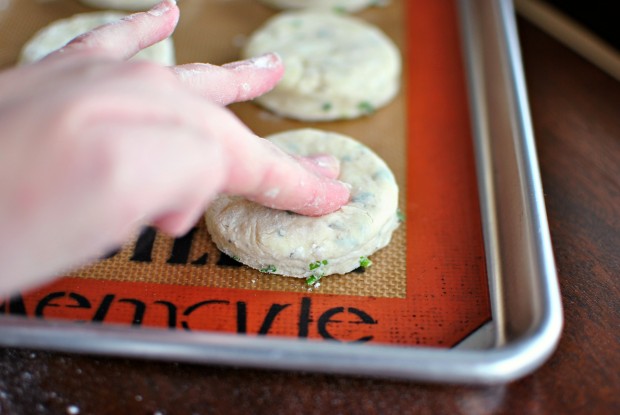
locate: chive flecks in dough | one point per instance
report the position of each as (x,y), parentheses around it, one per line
(400,215)
(270,269)
(340,10)
(364,198)
(326,106)
(323,33)
(310,281)
(236,258)
(317,268)
(365,262)
(366,107)
(317,264)
(314,278)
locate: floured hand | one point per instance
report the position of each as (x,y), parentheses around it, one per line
(93,146)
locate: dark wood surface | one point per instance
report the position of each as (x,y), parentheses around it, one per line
(576,114)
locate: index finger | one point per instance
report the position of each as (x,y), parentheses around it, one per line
(232,82)
(128,36)
(262,172)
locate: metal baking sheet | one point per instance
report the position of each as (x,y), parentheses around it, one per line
(518,262)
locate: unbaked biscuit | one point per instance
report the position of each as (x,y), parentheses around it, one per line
(121,4)
(336,66)
(285,243)
(60,32)
(345,5)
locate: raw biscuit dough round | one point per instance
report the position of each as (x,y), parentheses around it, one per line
(286,243)
(60,32)
(121,4)
(347,5)
(336,66)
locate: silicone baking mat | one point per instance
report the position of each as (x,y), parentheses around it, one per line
(428,287)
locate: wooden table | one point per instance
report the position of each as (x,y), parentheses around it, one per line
(576,113)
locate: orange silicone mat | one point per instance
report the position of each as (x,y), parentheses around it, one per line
(428,287)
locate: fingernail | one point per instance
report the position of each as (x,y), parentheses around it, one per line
(336,198)
(348,189)
(162,8)
(325,161)
(266,61)
(346,185)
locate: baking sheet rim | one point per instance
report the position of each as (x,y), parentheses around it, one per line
(496,365)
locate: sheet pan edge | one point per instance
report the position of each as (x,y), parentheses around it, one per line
(511,358)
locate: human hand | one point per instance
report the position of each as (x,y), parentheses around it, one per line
(92,147)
